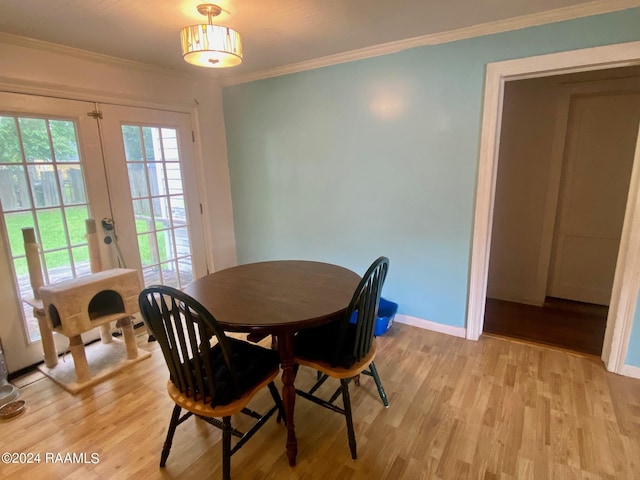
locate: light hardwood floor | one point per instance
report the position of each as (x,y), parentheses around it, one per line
(459,409)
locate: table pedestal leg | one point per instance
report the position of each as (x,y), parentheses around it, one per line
(285,346)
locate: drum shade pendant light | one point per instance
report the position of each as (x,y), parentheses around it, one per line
(209,45)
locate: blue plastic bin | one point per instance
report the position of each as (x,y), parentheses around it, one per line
(386,312)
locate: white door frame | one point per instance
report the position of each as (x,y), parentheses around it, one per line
(627,278)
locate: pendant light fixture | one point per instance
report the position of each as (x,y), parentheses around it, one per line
(209,45)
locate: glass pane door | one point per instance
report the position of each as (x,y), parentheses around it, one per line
(54,175)
(42,187)
(51,180)
(155,183)
(158,201)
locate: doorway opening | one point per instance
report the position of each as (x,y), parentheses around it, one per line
(627,273)
(565,160)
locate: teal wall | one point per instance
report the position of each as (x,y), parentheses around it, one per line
(633,353)
(379,157)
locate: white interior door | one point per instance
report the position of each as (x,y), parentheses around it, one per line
(154,185)
(50,179)
(598,161)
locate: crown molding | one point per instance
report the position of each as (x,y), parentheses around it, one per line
(54,90)
(516,23)
(595,7)
(33,44)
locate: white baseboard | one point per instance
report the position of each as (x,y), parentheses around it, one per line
(429,325)
(631,371)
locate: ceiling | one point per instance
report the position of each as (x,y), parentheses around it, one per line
(275,33)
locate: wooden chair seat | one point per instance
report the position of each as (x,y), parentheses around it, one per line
(203,407)
(339,372)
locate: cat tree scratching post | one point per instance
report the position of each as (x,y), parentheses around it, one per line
(79,305)
(37,281)
(76,306)
(96,266)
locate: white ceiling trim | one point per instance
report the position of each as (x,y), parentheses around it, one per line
(581,10)
(34,44)
(551,16)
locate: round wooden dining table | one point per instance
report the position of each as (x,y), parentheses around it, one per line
(280,298)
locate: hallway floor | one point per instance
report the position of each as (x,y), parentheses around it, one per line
(562,323)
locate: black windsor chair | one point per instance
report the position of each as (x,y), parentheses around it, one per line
(346,348)
(210,382)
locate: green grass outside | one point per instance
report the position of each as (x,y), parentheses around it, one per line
(53,237)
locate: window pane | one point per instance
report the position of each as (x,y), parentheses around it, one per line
(148,249)
(169,274)
(63,137)
(76,226)
(58,266)
(44,185)
(186,270)
(151,144)
(142,213)
(14,190)
(161,213)
(142,208)
(51,225)
(170,145)
(144,224)
(132,145)
(151,275)
(137,180)
(10,151)
(81,260)
(174,178)
(178,211)
(156,179)
(72,183)
(35,139)
(165,245)
(22,271)
(30,322)
(15,222)
(182,241)
(24,291)
(24,282)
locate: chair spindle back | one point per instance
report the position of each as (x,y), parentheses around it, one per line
(184,329)
(365,302)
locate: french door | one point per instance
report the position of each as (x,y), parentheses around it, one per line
(154,193)
(62,161)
